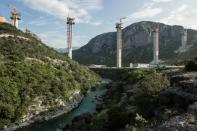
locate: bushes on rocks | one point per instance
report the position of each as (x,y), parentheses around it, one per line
(136,75)
(118,118)
(191,66)
(148,91)
(29,70)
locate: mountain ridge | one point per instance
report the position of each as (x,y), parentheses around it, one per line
(137,45)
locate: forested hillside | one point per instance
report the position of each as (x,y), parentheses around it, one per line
(30,71)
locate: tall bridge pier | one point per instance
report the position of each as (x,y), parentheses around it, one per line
(119,44)
(70,23)
(156,46)
(184,38)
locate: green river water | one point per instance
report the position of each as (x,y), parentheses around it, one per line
(88,105)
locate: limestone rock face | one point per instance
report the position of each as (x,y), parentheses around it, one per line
(137,45)
(183,93)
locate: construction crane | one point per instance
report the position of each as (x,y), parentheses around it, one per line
(123,18)
(15,16)
(70,23)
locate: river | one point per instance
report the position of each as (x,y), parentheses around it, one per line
(87,105)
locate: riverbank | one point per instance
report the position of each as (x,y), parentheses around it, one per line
(87,104)
(73,103)
(145,100)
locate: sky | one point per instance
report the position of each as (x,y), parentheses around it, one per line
(47,18)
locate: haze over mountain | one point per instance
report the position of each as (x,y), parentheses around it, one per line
(137,45)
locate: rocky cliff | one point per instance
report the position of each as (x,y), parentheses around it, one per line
(137,47)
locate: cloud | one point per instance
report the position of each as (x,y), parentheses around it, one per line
(57,10)
(89,20)
(97,23)
(173,12)
(62,8)
(53,38)
(159,1)
(180,9)
(181,16)
(41,21)
(58,39)
(148,11)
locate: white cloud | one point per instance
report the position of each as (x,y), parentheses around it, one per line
(173,12)
(89,20)
(181,16)
(179,9)
(58,39)
(97,23)
(61,8)
(147,13)
(158,1)
(40,21)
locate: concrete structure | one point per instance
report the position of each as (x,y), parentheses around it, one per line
(155,46)
(15,16)
(184,39)
(131,65)
(119,44)
(115,73)
(97,66)
(141,65)
(70,23)
(3,19)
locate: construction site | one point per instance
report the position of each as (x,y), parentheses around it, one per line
(128,72)
(16,17)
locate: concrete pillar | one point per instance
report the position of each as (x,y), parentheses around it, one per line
(70,53)
(184,38)
(70,23)
(119,44)
(16,23)
(156,46)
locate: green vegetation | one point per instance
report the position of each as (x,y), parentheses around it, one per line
(29,70)
(134,76)
(131,104)
(14,48)
(147,94)
(138,46)
(191,65)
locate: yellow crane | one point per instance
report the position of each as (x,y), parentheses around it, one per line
(15,16)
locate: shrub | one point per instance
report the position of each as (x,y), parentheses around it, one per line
(136,75)
(191,66)
(153,84)
(117,118)
(100,122)
(22,80)
(148,91)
